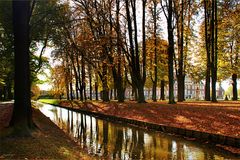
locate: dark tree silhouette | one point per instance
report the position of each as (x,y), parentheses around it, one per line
(22,114)
(168,12)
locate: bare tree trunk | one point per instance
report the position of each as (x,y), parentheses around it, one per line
(214,49)
(180,71)
(170,52)
(96,90)
(138,72)
(90,81)
(162,90)
(154,89)
(234,85)
(207,43)
(22,112)
(105,91)
(83,79)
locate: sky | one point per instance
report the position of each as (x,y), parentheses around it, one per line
(46,85)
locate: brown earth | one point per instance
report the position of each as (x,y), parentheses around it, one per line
(46,142)
(219,118)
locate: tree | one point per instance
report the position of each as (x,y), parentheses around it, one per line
(214,48)
(179,7)
(229,42)
(137,68)
(39,33)
(58,81)
(154,17)
(168,12)
(22,113)
(211,35)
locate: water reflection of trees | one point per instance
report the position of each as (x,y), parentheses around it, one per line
(112,141)
(117,152)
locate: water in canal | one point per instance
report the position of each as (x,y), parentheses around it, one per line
(116,141)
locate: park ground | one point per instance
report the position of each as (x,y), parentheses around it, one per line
(46,142)
(218,118)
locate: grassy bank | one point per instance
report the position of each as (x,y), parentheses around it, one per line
(50,101)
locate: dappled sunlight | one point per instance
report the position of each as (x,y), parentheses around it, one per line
(182,119)
(189,115)
(237,117)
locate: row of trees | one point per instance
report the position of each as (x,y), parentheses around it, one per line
(110,42)
(114,44)
(101,41)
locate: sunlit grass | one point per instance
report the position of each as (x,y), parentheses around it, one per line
(50,101)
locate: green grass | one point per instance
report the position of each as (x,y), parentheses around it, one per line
(50,101)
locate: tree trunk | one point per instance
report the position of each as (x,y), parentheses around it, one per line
(1,94)
(141,97)
(154,91)
(234,85)
(162,90)
(120,90)
(90,81)
(22,112)
(76,86)
(214,49)
(96,90)
(170,53)
(105,91)
(119,86)
(67,83)
(138,71)
(71,91)
(207,85)
(134,93)
(111,94)
(83,79)
(207,43)
(181,88)
(180,71)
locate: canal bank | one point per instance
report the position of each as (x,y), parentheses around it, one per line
(48,141)
(144,125)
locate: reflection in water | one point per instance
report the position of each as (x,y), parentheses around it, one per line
(113,141)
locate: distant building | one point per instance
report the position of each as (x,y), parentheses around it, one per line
(193,90)
(196,91)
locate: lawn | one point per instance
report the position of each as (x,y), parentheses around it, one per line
(50,101)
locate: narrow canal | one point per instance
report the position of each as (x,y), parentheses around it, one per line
(108,140)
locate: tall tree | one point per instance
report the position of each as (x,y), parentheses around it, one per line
(22,113)
(179,7)
(154,17)
(211,35)
(137,69)
(168,12)
(207,43)
(229,35)
(214,47)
